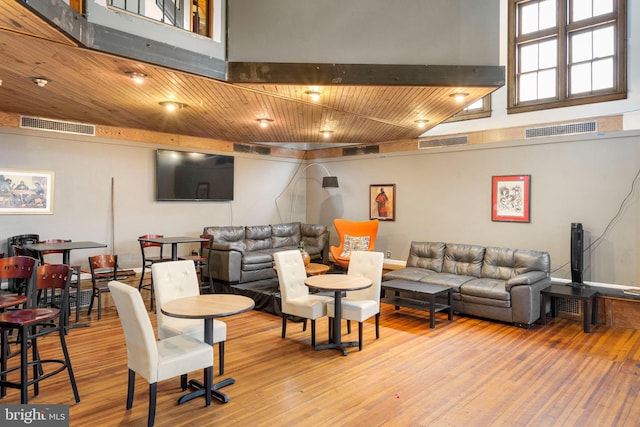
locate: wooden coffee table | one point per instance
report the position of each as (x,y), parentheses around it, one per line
(419,296)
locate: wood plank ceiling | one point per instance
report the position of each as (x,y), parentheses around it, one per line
(88,86)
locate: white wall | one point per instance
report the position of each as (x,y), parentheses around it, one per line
(84,168)
(445,195)
(435,32)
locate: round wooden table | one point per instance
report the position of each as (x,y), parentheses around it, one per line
(314,269)
(208,307)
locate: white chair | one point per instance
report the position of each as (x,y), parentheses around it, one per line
(155,360)
(361,305)
(178,279)
(295,296)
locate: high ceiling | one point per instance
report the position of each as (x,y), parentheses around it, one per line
(89,86)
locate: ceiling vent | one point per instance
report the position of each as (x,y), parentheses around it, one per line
(443,142)
(355,151)
(60,126)
(243,148)
(566,129)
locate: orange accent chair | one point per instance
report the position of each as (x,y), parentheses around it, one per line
(357,232)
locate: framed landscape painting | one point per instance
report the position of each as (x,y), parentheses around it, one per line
(510,198)
(382,202)
(26,191)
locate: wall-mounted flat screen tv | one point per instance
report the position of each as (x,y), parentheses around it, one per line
(182,175)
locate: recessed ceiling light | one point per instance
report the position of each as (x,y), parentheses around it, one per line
(136,76)
(173,105)
(314,94)
(264,122)
(422,123)
(459,96)
(40,81)
(326,133)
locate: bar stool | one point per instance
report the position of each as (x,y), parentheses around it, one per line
(35,322)
(15,267)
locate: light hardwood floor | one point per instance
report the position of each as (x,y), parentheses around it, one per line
(468,372)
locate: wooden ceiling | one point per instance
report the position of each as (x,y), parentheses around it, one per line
(88,86)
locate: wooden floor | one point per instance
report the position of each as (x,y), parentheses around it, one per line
(468,372)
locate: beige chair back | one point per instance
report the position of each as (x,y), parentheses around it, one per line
(291,275)
(369,265)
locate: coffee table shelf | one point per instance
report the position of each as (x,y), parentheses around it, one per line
(418,296)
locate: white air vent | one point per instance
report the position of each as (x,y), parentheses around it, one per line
(57,126)
(443,142)
(567,129)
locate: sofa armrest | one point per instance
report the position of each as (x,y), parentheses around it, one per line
(228,246)
(224,265)
(528,278)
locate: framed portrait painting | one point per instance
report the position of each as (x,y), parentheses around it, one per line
(26,192)
(510,198)
(382,202)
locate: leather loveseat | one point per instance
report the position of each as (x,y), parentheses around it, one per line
(241,254)
(496,283)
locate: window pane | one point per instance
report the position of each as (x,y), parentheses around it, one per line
(548,54)
(475,106)
(538,16)
(528,87)
(603,42)
(581,10)
(547,14)
(547,84)
(581,78)
(603,74)
(528,58)
(600,7)
(581,47)
(529,15)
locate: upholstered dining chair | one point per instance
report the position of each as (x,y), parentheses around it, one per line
(153,360)
(35,322)
(148,260)
(104,268)
(295,297)
(354,236)
(362,304)
(201,261)
(178,279)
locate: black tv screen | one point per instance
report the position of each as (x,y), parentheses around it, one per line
(182,175)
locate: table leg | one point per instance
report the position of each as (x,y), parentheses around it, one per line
(199,387)
(337,320)
(174,251)
(543,309)
(587,315)
(450,302)
(432,310)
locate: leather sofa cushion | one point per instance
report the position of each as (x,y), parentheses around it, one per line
(225,234)
(257,257)
(486,302)
(485,288)
(285,234)
(258,237)
(506,263)
(429,255)
(447,279)
(464,260)
(415,274)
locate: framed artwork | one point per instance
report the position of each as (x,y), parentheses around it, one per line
(26,192)
(382,202)
(510,198)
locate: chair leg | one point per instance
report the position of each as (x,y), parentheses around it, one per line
(348,326)
(99,305)
(3,360)
(93,297)
(221,357)
(67,360)
(35,357)
(208,379)
(377,325)
(313,333)
(153,388)
(304,325)
(130,388)
(284,325)
(184,381)
(24,352)
(360,336)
